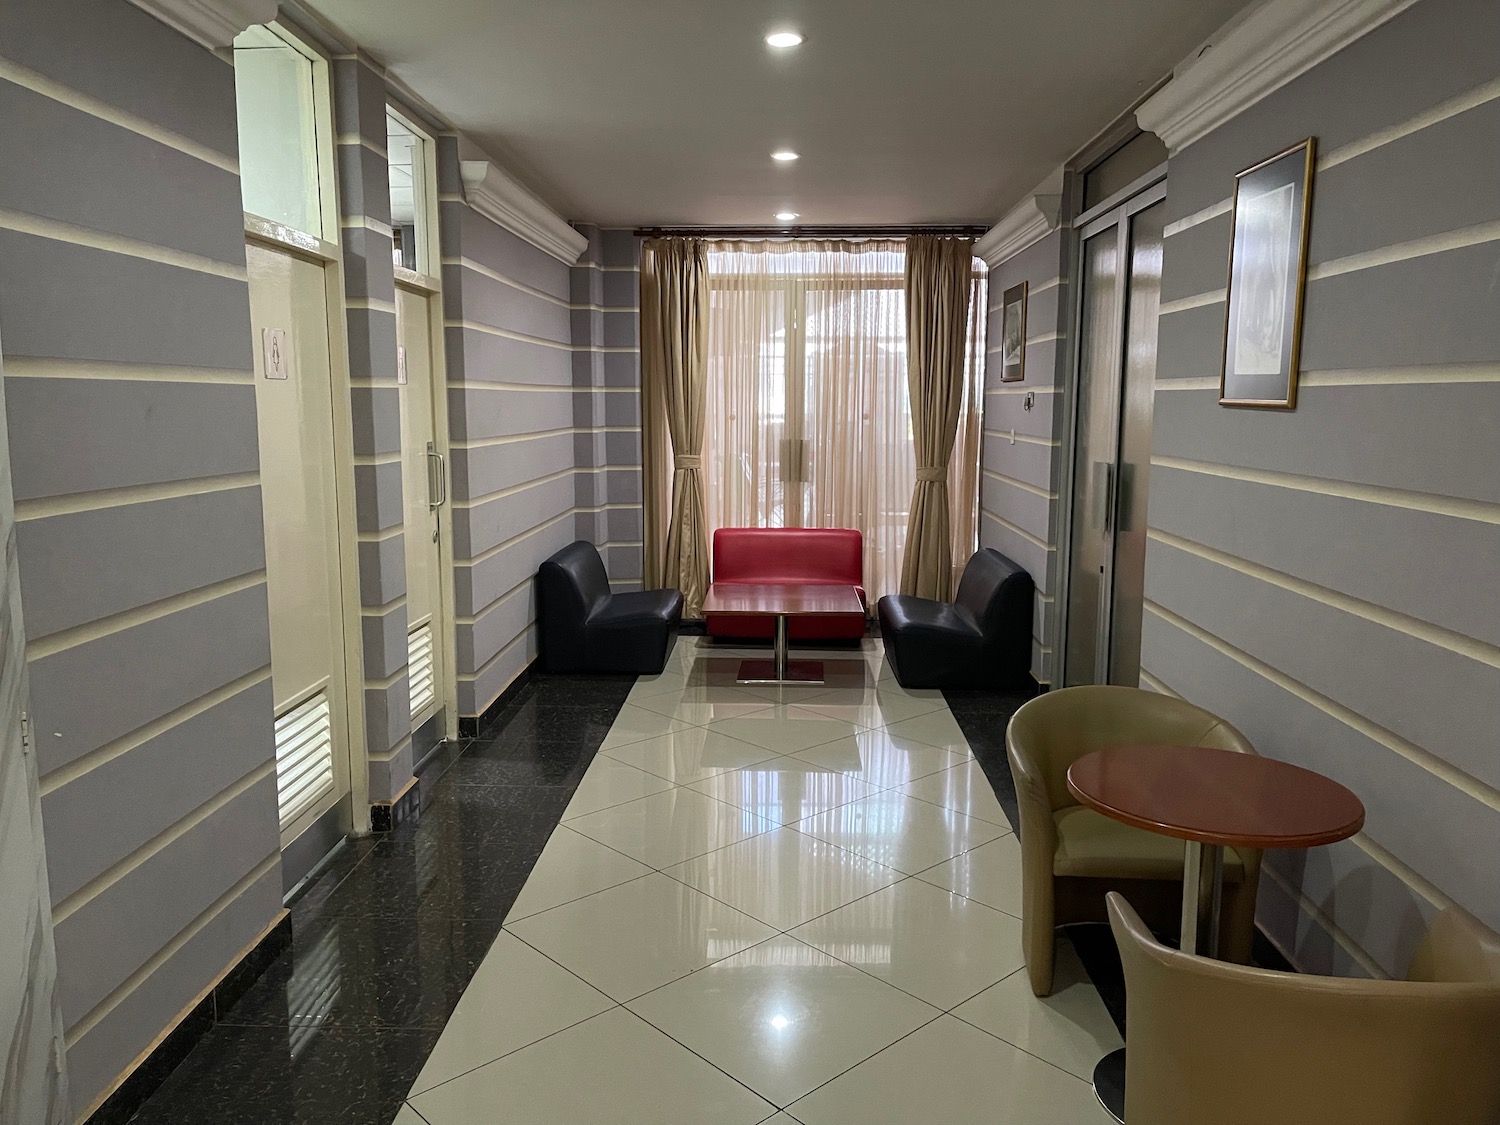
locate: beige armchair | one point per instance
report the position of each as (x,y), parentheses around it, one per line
(1230,1045)
(1071,856)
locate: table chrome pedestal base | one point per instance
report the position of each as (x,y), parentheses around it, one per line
(779,669)
(766,672)
(1109,1084)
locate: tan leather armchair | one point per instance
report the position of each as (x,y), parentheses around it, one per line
(1229,1045)
(1071,856)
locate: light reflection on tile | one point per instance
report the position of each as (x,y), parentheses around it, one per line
(963,787)
(900,831)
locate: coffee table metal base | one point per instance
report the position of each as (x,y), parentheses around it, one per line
(779,669)
(1109,1084)
(1202,905)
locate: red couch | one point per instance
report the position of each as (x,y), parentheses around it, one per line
(789,556)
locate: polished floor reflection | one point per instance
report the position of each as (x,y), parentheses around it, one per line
(786,904)
(680,901)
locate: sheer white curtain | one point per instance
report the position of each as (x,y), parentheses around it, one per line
(808,418)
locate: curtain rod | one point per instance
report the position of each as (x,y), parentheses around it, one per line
(807,232)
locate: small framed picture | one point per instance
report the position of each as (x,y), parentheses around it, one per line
(1013,334)
(1267,275)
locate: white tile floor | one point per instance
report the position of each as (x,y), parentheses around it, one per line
(784,905)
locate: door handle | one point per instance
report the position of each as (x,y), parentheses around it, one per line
(437,481)
(1104,488)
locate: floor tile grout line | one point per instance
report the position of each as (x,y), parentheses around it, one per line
(864,1060)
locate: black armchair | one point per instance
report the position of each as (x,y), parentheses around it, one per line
(585,628)
(982,639)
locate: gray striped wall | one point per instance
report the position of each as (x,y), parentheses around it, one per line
(1326,579)
(125,322)
(508,339)
(1018,511)
(607,400)
(370,301)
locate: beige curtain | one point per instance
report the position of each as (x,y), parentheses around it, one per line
(808,419)
(939,283)
(674,347)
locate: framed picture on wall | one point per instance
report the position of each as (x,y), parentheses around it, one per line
(1267,274)
(1013,334)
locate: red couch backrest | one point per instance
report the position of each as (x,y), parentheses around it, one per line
(789,555)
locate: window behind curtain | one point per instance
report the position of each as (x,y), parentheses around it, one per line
(808,419)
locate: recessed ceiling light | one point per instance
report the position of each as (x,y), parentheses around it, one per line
(786,216)
(784,39)
(784,155)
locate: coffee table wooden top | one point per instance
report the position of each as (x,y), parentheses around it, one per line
(783,601)
(1216,796)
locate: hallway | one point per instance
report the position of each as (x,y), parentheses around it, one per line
(756,900)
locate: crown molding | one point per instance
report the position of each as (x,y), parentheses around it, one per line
(1251,57)
(499,197)
(210,23)
(1027,223)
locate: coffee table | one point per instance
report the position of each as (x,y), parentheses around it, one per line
(1208,798)
(782,602)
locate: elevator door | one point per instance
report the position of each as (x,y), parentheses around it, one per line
(1121,276)
(425,489)
(294,404)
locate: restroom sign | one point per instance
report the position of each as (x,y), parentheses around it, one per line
(278,354)
(400,365)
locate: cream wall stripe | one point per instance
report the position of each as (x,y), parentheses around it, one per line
(1438,375)
(1021,484)
(1405,251)
(393,752)
(371,304)
(519,588)
(1327,924)
(496,275)
(1155,684)
(94,107)
(190,931)
(1187,222)
(1026,439)
(511,490)
(490,552)
(70,905)
(1425,759)
(365,222)
(65,639)
(1369,493)
(382,536)
(1399,868)
(1378,139)
(505,333)
(353,140)
(1021,389)
(44,367)
(1022,532)
(1433,116)
(75,769)
(1196,301)
(471,677)
(115,244)
(508,439)
(45,506)
(1449,639)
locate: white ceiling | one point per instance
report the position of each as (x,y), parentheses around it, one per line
(665,111)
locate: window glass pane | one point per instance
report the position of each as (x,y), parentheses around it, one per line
(408,195)
(278,139)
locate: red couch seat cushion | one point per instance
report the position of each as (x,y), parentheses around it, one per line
(788,556)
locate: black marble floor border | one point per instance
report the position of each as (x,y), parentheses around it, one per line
(147,1078)
(388,932)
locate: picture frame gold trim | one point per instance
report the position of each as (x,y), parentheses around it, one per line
(1289,402)
(1015,295)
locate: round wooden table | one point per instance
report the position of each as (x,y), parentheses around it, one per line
(1209,799)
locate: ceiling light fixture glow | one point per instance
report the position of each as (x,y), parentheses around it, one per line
(783,39)
(786,216)
(785,155)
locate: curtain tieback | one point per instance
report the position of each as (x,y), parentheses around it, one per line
(932,475)
(688,461)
